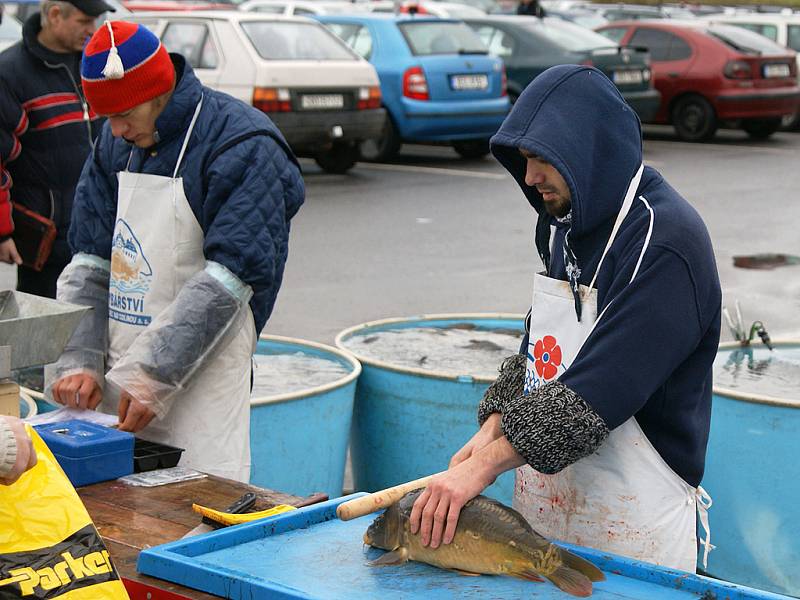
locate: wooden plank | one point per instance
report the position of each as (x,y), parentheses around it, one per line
(131,518)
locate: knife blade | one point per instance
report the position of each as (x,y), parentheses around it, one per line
(243,504)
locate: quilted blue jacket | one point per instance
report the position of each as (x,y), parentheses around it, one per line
(241,180)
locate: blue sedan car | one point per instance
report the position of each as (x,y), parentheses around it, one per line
(438,82)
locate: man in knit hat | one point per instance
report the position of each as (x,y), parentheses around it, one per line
(180,229)
(46,133)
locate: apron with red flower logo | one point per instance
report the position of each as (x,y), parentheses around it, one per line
(623,498)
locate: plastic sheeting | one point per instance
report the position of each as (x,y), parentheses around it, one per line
(84,281)
(203,319)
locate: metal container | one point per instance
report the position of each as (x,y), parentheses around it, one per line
(36,328)
(753,475)
(298,440)
(408,422)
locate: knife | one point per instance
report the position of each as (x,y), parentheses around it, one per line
(243,504)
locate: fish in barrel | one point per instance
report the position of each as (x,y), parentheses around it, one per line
(490,539)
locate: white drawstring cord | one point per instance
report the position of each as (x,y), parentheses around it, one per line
(114,68)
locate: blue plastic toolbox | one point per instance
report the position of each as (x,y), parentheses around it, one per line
(309,553)
(87,452)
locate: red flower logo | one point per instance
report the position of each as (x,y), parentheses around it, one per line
(547,355)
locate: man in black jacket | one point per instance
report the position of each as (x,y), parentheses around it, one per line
(46,127)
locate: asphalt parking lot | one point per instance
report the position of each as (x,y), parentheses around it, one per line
(433,233)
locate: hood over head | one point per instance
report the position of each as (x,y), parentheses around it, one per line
(574,118)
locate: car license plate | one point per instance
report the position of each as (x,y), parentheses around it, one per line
(779,70)
(469,82)
(627,77)
(321,101)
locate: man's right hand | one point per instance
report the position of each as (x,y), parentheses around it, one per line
(9,254)
(78,391)
(490,431)
(26,455)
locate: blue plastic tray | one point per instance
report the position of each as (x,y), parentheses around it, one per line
(309,553)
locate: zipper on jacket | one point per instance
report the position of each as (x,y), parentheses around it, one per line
(79,93)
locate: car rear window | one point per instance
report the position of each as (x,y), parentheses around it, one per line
(569,36)
(743,40)
(430,37)
(275,40)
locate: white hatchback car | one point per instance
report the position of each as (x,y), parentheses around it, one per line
(323,97)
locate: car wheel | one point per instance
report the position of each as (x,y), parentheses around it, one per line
(385,147)
(339,159)
(694,119)
(472,148)
(761,129)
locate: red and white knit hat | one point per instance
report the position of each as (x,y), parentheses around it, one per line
(124,65)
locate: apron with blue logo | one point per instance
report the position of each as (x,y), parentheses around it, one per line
(157,247)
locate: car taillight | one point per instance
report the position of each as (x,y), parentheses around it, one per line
(738,69)
(271,100)
(369,97)
(415,86)
(504,83)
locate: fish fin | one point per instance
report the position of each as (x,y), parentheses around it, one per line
(573,561)
(529,575)
(395,557)
(467,573)
(571,581)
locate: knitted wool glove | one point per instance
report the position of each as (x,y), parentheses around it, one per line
(506,387)
(8,448)
(552,427)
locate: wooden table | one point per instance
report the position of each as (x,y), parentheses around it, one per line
(130,519)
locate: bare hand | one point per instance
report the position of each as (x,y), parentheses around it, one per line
(79,391)
(133,415)
(9,254)
(435,512)
(489,432)
(26,455)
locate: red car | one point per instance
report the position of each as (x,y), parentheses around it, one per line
(714,74)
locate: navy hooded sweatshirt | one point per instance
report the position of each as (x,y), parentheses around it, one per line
(650,355)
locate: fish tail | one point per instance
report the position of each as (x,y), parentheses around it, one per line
(575,562)
(571,581)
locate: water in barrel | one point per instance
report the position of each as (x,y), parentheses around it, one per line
(457,349)
(275,374)
(759,371)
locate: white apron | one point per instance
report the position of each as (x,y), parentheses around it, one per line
(623,498)
(157,247)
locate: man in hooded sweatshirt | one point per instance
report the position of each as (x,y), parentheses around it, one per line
(606,410)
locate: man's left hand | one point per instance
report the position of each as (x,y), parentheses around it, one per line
(435,512)
(133,415)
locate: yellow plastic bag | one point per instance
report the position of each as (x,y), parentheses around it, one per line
(49,547)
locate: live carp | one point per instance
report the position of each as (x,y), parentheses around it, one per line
(490,539)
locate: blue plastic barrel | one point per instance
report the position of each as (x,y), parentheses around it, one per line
(42,405)
(408,422)
(27,405)
(753,475)
(298,440)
